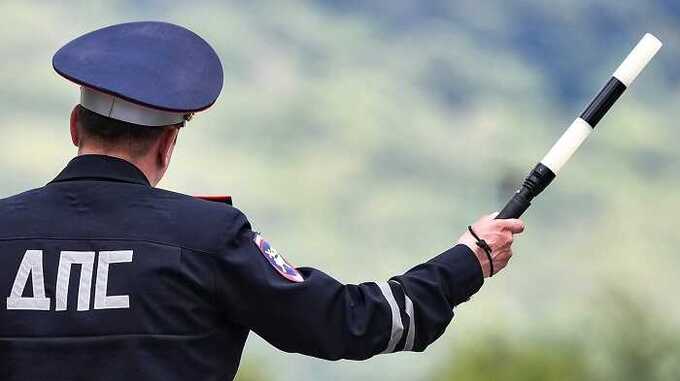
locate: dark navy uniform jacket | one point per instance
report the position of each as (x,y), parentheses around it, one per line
(105,278)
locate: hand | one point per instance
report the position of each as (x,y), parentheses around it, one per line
(499,235)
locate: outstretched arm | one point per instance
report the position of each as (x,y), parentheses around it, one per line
(316,315)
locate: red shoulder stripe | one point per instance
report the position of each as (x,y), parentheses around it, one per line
(222,199)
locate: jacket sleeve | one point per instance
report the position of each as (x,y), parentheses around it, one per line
(324,318)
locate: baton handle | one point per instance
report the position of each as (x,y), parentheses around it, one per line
(535,183)
(514,208)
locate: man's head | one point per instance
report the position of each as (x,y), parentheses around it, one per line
(140,82)
(148,147)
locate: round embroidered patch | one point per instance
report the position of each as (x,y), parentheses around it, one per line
(277,261)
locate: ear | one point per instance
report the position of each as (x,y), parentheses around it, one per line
(167,146)
(75,136)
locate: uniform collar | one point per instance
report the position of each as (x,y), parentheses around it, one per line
(101,168)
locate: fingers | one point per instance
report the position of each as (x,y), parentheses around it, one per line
(499,234)
(515,226)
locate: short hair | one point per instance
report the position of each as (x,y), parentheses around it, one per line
(112,133)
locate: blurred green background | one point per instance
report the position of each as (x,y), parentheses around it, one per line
(361,137)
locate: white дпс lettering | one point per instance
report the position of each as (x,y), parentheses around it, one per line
(32,265)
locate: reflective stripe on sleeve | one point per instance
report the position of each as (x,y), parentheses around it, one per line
(397,327)
(411,336)
(410,312)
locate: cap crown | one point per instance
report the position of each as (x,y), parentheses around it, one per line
(153,64)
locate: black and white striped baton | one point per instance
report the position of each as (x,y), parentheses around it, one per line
(545,171)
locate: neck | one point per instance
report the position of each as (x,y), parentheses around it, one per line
(144,164)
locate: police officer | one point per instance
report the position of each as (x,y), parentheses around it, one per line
(107,278)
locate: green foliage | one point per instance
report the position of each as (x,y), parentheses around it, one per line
(634,344)
(497,358)
(623,342)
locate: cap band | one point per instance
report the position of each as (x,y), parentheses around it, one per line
(120,109)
